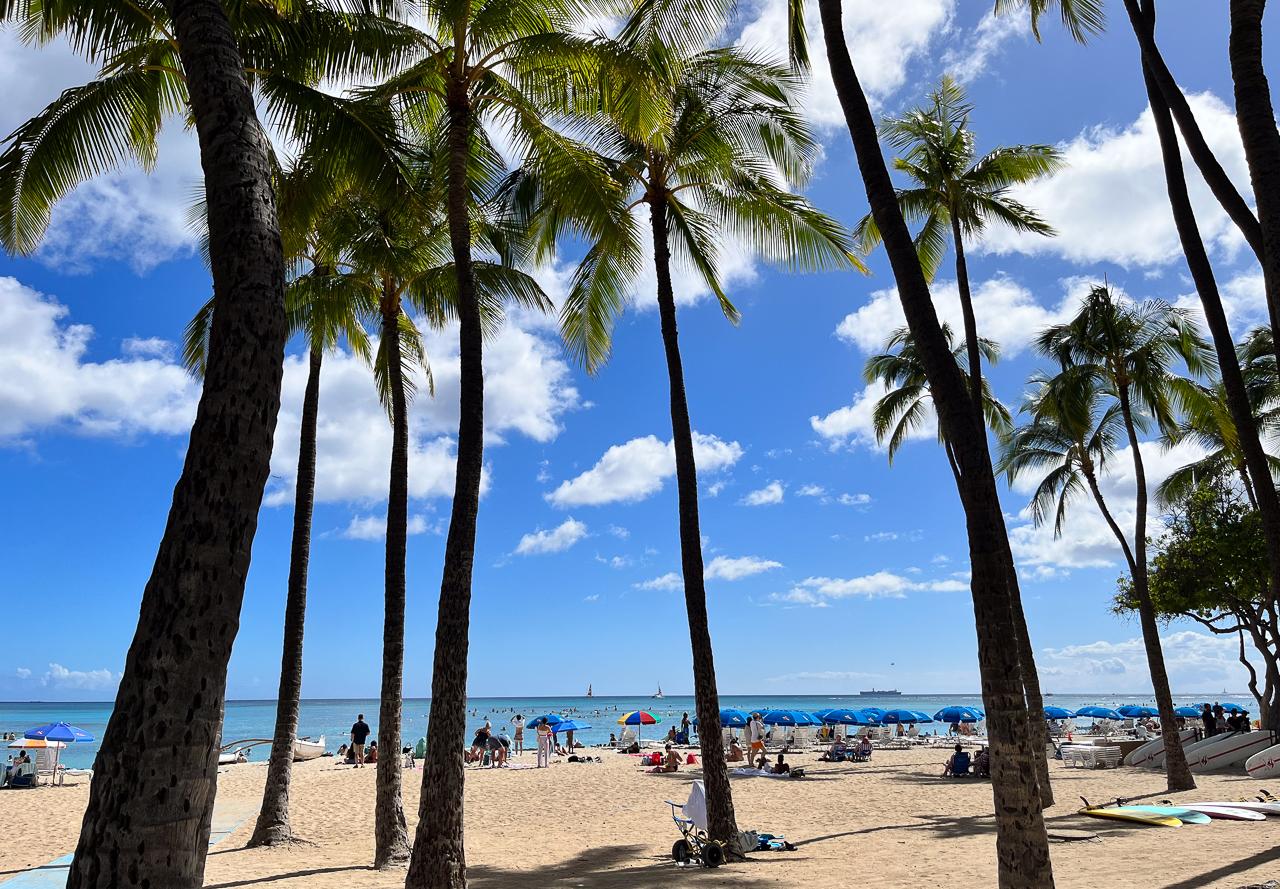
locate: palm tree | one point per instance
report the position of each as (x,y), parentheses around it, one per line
(1022,846)
(287,50)
(164,728)
(494,65)
(956,194)
(905,407)
(1126,352)
(726,119)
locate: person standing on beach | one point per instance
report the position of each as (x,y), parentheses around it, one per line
(755,735)
(518,722)
(359,734)
(544,745)
(1210,723)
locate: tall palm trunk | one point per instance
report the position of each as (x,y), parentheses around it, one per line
(1022,846)
(391,834)
(1256,120)
(1038,728)
(721,823)
(439,859)
(273,818)
(1175,761)
(1263,490)
(151,799)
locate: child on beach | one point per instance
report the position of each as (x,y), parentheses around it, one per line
(518,723)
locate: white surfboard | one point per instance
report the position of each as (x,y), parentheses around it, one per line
(1263,808)
(1157,761)
(1226,811)
(1144,756)
(1265,764)
(1226,751)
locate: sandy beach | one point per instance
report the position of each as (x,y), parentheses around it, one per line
(892,821)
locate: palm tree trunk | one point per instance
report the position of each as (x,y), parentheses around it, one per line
(1142,18)
(1233,383)
(1022,847)
(1175,761)
(1256,119)
(391,834)
(273,818)
(1038,728)
(439,859)
(721,823)
(151,799)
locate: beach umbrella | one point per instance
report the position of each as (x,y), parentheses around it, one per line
(874,711)
(569,725)
(34,744)
(551,719)
(788,718)
(958,714)
(1137,711)
(1186,712)
(1233,708)
(1095,712)
(1052,712)
(841,716)
(730,718)
(58,731)
(639,718)
(905,717)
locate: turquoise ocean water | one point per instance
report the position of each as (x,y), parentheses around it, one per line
(333,718)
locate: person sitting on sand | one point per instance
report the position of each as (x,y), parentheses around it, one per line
(342,752)
(735,751)
(781,767)
(351,756)
(864,747)
(613,740)
(957,765)
(837,752)
(982,763)
(762,764)
(671,735)
(670,763)
(371,755)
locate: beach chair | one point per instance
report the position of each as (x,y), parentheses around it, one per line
(25,777)
(627,738)
(46,765)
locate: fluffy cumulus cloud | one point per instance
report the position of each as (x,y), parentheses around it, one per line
(669,581)
(527,391)
(768,495)
(884,39)
(1195,661)
(58,676)
(720,568)
(818,592)
(46,379)
(552,540)
(638,469)
(1086,540)
(1110,203)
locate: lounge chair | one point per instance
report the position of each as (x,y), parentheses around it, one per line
(25,777)
(959,767)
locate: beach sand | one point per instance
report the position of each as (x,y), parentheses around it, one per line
(890,822)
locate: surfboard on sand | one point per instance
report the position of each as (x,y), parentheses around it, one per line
(1226,811)
(1186,816)
(1226,751)
(1124,813)
(1265,764)
(1248,805)
(1147,755)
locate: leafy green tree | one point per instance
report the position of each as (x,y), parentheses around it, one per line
(1022,846)
(955,194)
(1210,566)
(905,405)
(726,143)
(1126,352)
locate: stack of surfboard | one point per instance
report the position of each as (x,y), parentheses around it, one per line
(1185,813)
(1216,752)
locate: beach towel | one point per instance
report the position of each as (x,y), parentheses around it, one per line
(761,773)
(696,807)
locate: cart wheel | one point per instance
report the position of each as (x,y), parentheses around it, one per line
(713,855)
(682,851)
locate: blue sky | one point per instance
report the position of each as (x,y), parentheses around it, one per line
(829,571)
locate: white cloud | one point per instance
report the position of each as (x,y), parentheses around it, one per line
(638,468)
(1195,661)
(970,57)
(883,39)
(766,496)
(818,591)
(554,540)
(527,390)
(853,499)
(59,676)
(727,568)
(669,581)
(374,527)
(1113,187)
(1087,541)
(811,491)
(22,673)
(45,380)
(619,532)
(594,597)
(714,489)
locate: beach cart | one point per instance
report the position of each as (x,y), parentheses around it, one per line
(694,846)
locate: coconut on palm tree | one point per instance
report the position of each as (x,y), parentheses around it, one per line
(1022,846)
(718,160)
(1127,352)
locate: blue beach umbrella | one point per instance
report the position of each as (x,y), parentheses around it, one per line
(787,718)
(958,714)
(842,716)
(57,731)
(1233,708)
(905,717)
(1052,712)
(730,718)
(874,711)
(1095,712)
(569,725)
(551,719)
(1186,712)
(1137,711)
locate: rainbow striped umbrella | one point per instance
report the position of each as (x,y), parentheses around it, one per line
(639,718)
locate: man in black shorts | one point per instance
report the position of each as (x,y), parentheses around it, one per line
(359,734)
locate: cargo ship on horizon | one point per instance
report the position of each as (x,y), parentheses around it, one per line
(881,693)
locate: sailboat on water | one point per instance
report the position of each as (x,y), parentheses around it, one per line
(658,695)
(589,694)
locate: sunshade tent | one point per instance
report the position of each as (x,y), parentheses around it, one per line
(958,714)
(58,731)
(1095,712)
(1052,712)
